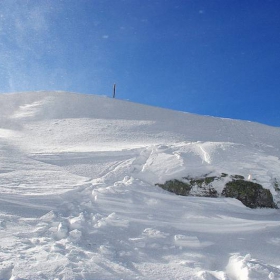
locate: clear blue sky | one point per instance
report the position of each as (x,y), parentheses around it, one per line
(210,57)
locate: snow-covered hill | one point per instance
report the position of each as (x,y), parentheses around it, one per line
(79,201)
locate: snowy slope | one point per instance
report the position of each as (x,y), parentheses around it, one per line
(78,199)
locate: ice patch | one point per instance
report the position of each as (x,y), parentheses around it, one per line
(62,231)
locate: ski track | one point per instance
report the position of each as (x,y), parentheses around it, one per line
(79,201)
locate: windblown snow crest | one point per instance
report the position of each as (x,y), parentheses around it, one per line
(79,201)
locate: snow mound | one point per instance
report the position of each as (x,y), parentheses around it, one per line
(79,201)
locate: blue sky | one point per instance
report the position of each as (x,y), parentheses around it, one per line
(218,57)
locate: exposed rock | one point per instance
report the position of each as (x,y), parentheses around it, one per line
(251,194)
(176,187)
(237,177)
(202,185)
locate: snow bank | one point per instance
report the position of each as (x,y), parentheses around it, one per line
(78,199)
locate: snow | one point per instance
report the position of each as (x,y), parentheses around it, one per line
(79,201)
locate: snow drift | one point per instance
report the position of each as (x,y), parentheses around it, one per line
(79,201)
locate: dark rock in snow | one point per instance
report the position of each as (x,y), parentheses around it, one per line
(251,194)
(176,187)
(184,188)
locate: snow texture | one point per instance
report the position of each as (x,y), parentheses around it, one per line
(79,201)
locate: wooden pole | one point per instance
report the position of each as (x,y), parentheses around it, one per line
(114,90)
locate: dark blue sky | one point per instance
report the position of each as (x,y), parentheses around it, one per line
(218,57)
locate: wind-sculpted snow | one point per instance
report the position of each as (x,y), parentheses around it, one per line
(79,201)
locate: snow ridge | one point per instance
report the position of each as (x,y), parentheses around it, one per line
(79,201)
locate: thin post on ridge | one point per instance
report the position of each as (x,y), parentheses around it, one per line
(114,90)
